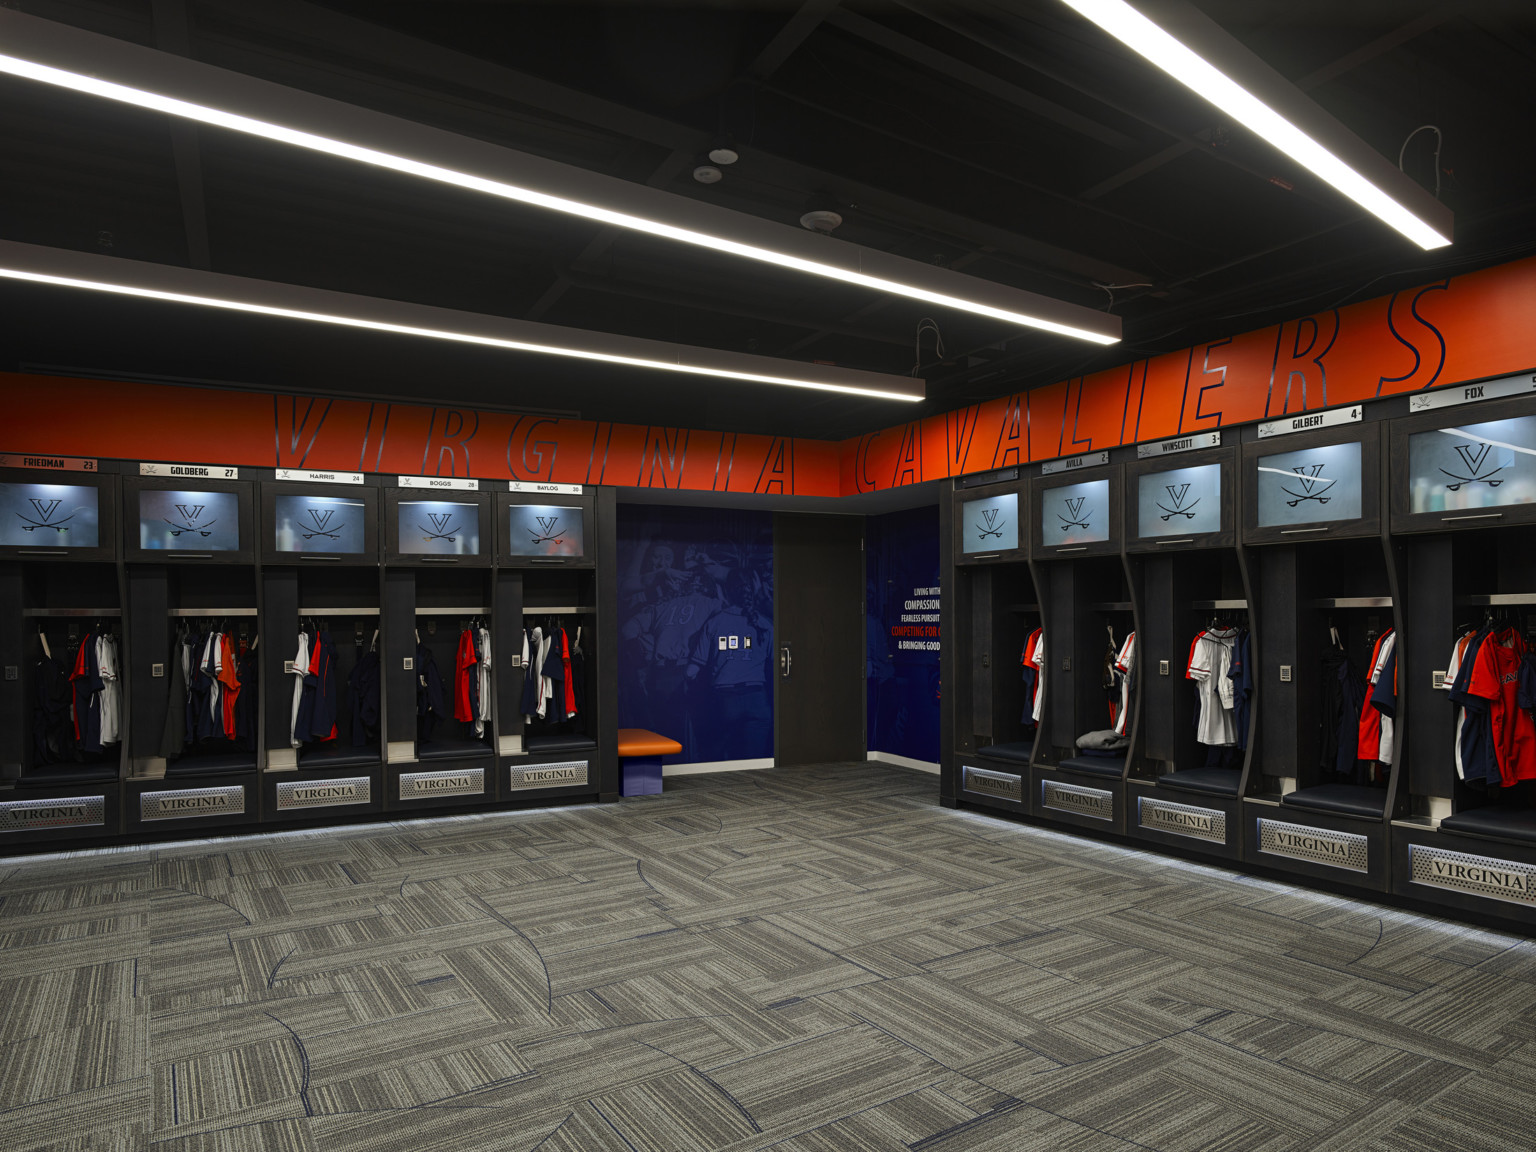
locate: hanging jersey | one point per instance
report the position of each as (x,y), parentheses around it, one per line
(463,669)
(1031,677)
(300,670)
(1125,667)
(1453,669)
(1375,741)
(1210,661)
(1241,675)
(1496,679)
(1038,659)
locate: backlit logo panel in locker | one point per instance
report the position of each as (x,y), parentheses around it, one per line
(546,530)
(1315,484)
(49,516)
(319,524)
(1473,466)
(1480,875)
(990,525)
(174,521)
(1075,513)
(1179,502)
(439,528)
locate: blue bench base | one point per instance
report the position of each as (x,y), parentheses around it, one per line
(641,775)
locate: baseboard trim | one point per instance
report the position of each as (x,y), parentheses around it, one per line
(904,762)
(715,766)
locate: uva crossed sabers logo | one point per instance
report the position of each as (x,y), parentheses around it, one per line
(190,515)
(1473,457)
(442,522)
(42,516)
(320,521)
(994,526)
(547,526)
(1176,494)
(1076,517)
(1313,485)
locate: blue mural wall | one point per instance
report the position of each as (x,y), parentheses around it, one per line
(688,579)
(902,625)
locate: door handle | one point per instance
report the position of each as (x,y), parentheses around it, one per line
(785,662)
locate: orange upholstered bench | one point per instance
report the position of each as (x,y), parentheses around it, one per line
(640,753)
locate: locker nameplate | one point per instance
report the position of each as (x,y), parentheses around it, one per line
(1095,803)
(1003,785)
(462,782)
(561,775)
(1182,819)
(1478,875)
(323,793)
(1323,846)
(187,803)
(63,812)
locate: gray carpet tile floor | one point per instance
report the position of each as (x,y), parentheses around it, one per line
(798,959)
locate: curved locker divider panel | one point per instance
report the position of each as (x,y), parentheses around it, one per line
(310,795)
(173,803)
(42,817)
(993,785)
(1190,821)
(1325,846)
(439,784)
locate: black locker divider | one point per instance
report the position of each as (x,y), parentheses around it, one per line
(1463,515)
(987,613)
(321,574)
(61,571)
(1078,560)
(1313,524)
(1188,573)
(195,571)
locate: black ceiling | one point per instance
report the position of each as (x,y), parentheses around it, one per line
(1011,140)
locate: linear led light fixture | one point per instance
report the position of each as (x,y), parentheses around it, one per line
(1198,53)
(67,269)
(50,53)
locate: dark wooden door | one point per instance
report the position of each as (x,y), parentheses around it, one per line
(818,590)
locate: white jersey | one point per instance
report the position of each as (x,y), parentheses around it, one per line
(1210,661)
(1385,749)
(1125,666)
(1458,650)
(485,682)
(300,670)
(1038,660)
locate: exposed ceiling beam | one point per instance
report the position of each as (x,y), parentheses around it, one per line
(797,29)
(1344,64)
(973,77)
(341,37)
(173,33)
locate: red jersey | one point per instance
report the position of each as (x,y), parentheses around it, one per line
(1496,678)
(463,709)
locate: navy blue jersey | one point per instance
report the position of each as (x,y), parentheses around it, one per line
(1241,675)
(429,693)
(326,684)
(1479,766)
(363,688)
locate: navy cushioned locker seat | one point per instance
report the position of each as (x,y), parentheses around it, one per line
(67,776)
(223,764)
(333,754)
(1344,799)
(573,742)
(1095,765)
(451,748)
(1502,823)
(1019,752)
(1210,781)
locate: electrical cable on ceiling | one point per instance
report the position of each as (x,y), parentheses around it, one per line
(926,324)
(1439,140)
(1112,288)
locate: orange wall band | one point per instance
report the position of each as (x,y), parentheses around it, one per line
(1469,327)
